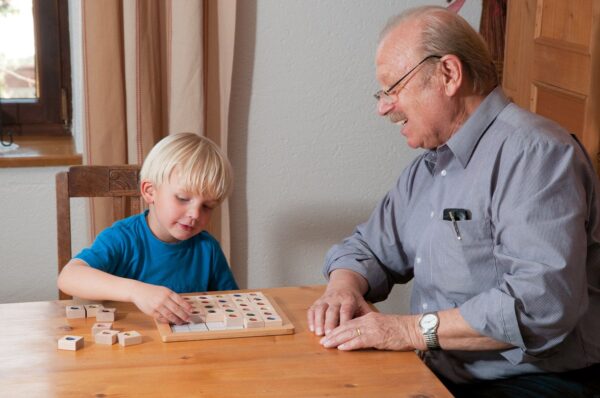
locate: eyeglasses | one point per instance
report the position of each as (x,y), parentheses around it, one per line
(385,95)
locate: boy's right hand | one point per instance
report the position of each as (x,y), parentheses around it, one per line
(161,303)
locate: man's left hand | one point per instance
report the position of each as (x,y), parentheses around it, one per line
(375,330)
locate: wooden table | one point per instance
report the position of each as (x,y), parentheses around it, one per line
(271,366)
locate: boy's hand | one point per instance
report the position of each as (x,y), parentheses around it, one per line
(161,303)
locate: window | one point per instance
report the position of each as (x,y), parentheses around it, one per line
(35,85)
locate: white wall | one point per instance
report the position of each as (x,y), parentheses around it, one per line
(310,155)
(28,264)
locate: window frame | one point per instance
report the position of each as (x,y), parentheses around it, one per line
(50,113)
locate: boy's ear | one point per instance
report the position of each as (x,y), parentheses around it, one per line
(148,191)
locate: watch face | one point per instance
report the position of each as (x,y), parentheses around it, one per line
(429,321)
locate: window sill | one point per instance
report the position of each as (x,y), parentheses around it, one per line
(41,151)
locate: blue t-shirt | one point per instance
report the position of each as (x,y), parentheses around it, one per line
(129,249)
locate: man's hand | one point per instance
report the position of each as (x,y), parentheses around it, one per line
(375,330)
(342,301)
(161,303)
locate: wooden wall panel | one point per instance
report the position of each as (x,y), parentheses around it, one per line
(564,107)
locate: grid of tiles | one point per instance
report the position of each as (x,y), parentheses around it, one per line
(229,311)
(229,315)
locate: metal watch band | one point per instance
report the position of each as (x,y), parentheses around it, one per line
(431,340)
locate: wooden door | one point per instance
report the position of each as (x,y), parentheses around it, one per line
(552,64)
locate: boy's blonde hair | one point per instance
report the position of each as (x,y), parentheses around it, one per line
(201,165)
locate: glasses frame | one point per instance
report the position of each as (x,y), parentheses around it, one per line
(387,93)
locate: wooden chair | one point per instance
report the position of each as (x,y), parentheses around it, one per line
(119,182)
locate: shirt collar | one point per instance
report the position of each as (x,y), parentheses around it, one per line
(430,160)
(463,142)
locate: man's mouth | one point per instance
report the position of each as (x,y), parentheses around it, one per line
(398,119)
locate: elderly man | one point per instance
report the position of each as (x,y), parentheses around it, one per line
(497,223)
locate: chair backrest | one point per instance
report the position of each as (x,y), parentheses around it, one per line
(119,182)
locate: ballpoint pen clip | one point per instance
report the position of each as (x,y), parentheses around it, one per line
(451,215)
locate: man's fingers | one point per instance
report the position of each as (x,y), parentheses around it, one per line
(346,313)
(319,311)
(310,317)
(332,318)
(345,337)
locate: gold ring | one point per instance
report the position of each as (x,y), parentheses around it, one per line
(358,333)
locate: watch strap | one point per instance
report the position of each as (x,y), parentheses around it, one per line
(431,339)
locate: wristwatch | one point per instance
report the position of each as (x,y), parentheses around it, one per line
(429,323)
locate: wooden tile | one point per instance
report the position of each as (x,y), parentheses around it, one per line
(129,338)
(75,311)
(100,326)
(198,316)
(198,327)
(108,337)
(106,314)
(206,308)
(215,325)
(233,319)
(90,309)
(180,328)
(70,343)
(253,320)
(215,315)
(272,319)
(225,303)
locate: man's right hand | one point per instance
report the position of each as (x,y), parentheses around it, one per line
(342,301)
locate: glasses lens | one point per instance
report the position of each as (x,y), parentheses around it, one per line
(383,97)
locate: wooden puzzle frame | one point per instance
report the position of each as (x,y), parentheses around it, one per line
(168,336)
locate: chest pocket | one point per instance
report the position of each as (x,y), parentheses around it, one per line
(462,267)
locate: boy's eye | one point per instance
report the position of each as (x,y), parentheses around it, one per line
(181,198)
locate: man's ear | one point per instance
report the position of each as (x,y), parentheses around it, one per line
(452,74)
(148,190)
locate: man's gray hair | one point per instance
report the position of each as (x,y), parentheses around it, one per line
(445,32)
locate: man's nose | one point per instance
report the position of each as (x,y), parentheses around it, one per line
(383,107)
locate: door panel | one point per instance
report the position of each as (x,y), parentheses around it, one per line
(552,63)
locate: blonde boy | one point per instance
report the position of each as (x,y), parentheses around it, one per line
(148,258)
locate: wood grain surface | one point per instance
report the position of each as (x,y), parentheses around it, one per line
(293,365)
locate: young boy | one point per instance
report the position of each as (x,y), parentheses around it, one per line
(148,258)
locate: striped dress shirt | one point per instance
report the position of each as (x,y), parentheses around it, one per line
(522,262)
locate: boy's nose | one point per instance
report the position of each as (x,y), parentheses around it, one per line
(193,212)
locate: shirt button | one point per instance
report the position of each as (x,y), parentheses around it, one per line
(424,305)
(418,259)
(431,214)
(443,173)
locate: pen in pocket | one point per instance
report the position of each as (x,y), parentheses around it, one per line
(451,215)
(456,215)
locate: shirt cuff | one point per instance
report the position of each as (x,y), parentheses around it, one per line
(378,289)
(493,314)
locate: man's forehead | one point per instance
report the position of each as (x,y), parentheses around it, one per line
(392,62)
(396,51)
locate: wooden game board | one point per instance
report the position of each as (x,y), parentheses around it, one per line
(222,316)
